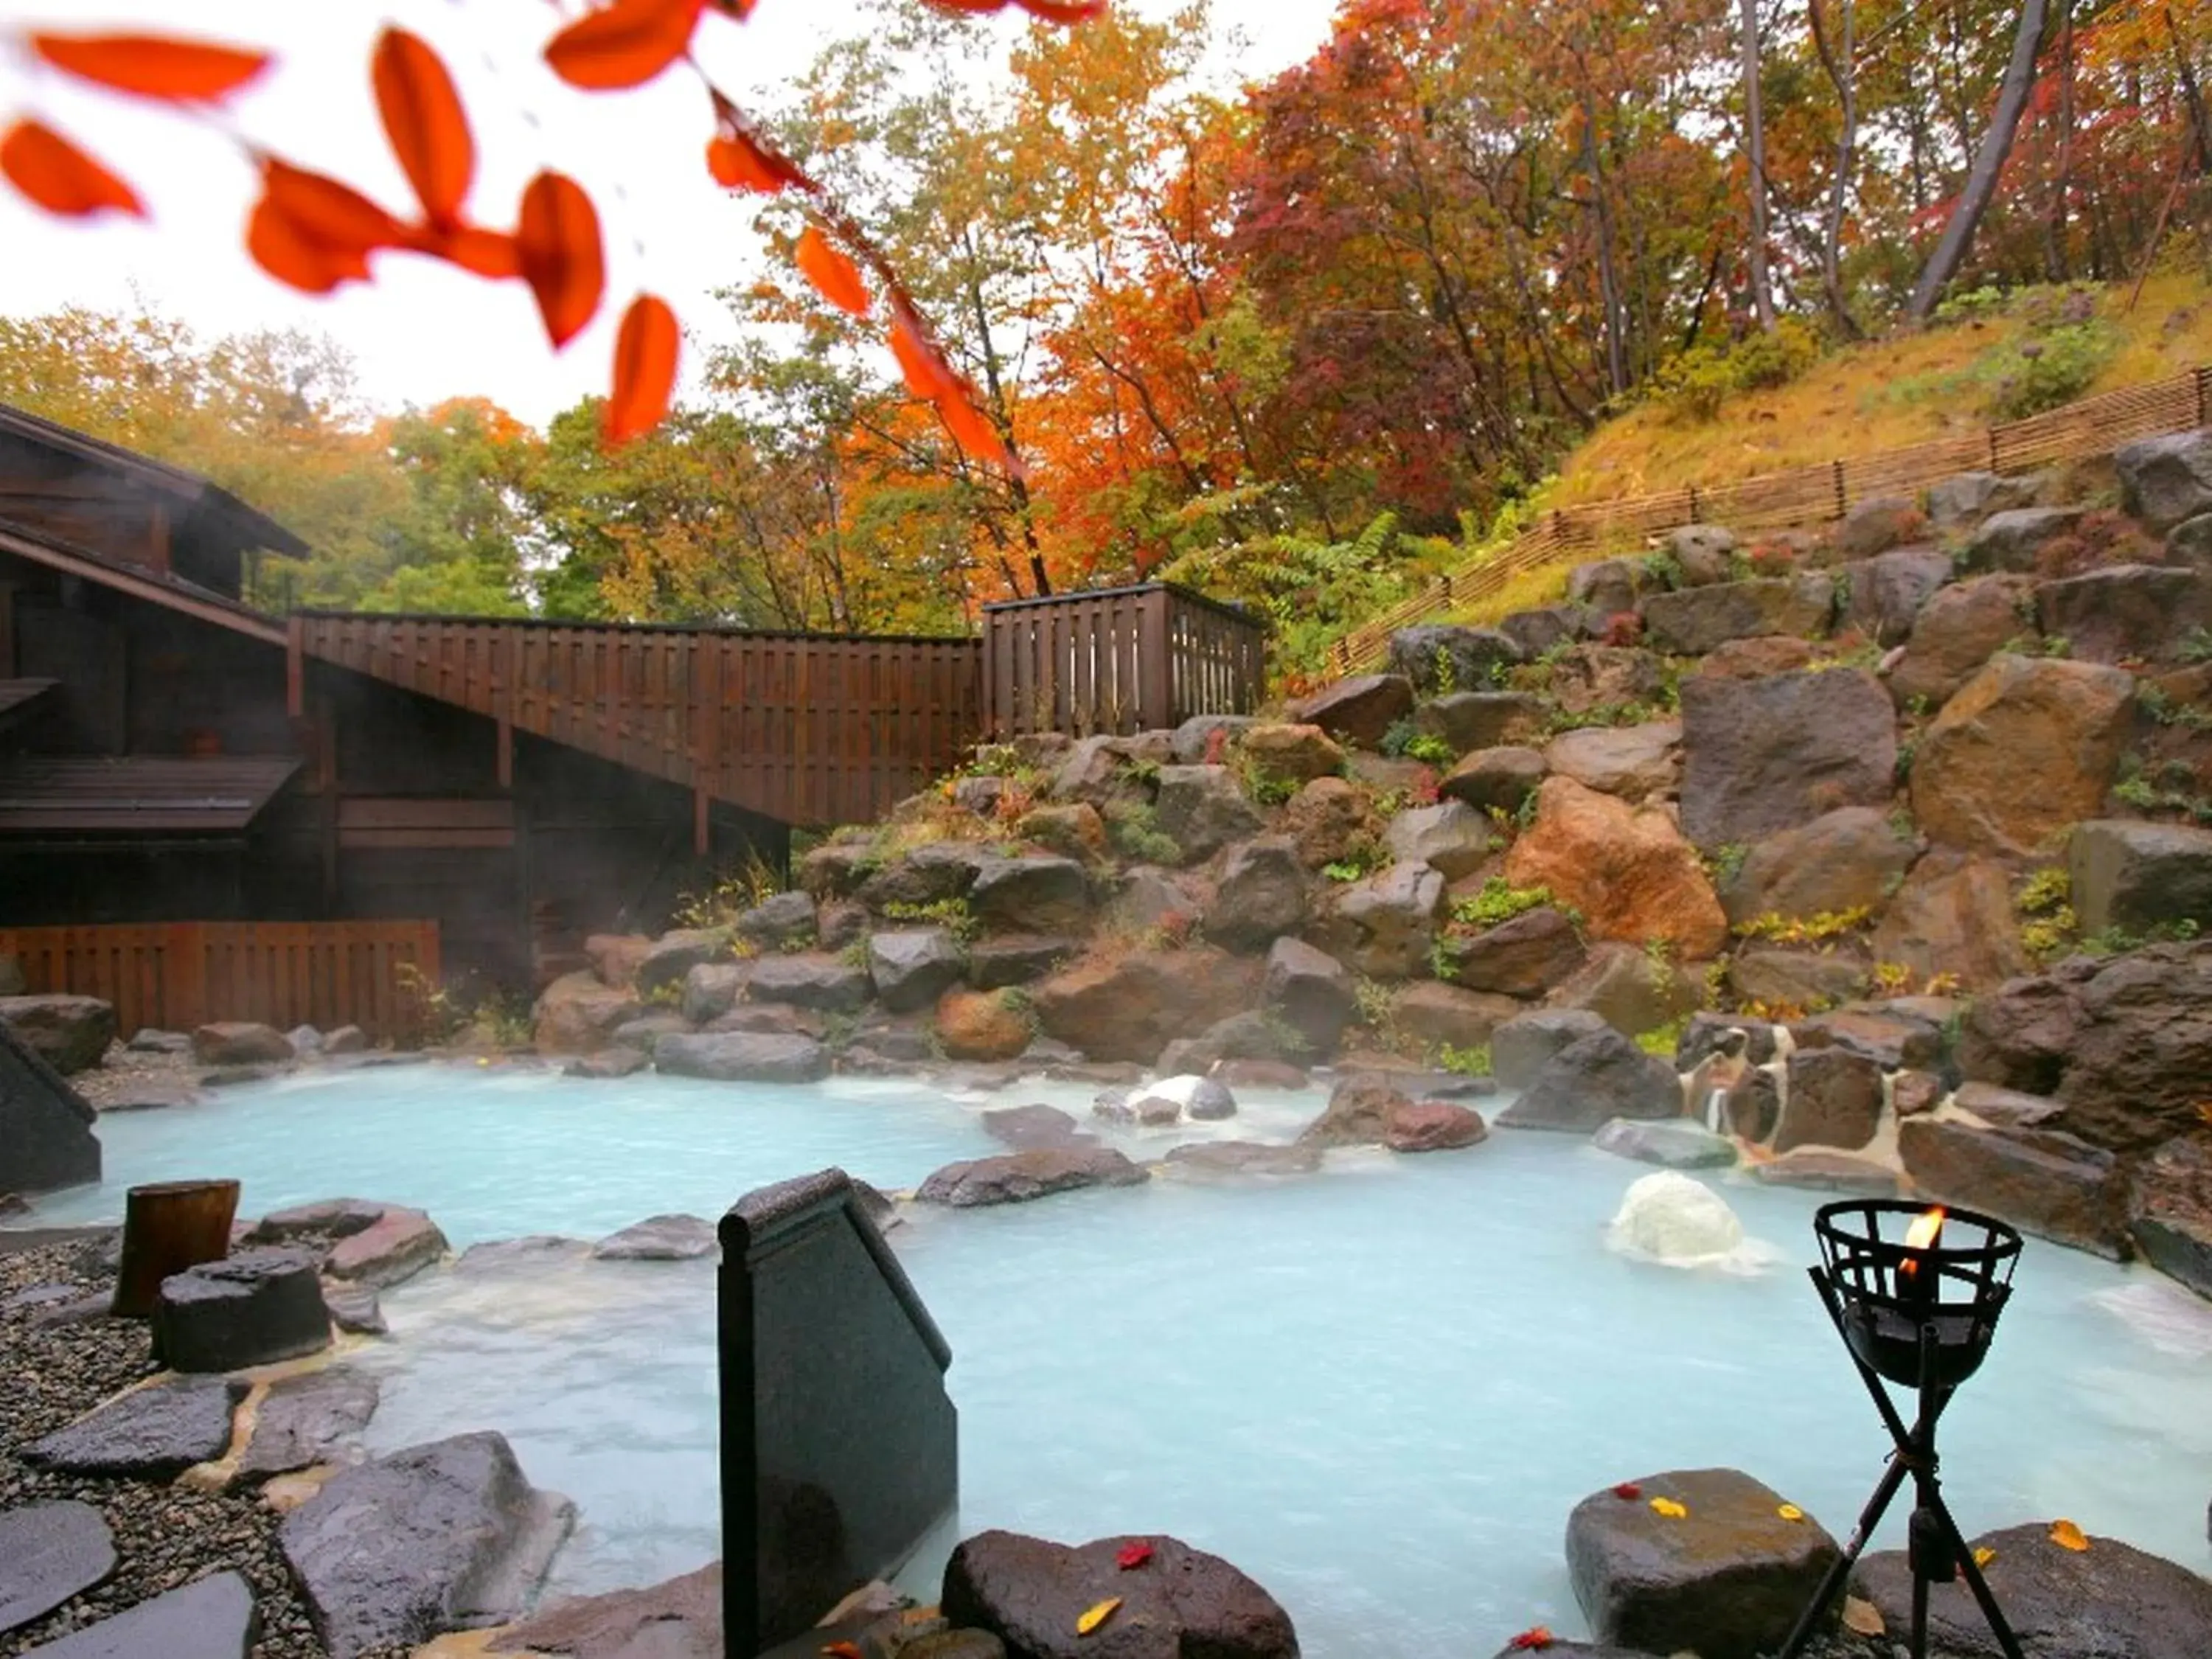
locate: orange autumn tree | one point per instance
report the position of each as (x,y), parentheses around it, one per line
(316,233)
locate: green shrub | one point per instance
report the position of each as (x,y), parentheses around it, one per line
(1498,902)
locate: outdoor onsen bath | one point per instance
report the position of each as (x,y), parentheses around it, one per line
(1379,1388)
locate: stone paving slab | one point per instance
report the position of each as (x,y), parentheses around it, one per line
(212,1619)
(48,1552)
(152,1433)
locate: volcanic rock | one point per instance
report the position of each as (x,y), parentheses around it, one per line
(2170,1212)
(1385,925)
(743,1057)
(1833,1099)
(1765,756)
(1469,721)
(2142,611)
(1696,620)
(1521,1046)
(212,1618)
(1841,861)
(1261,895)
(1887,593)
(1627,870)
(2046,1182)
(2136,877)
(1494,780)
(810,979)
(1675,1144)
(1018,1177)
(913,967)
(578,1015)
(1130,1005)
(2011,540)
(1451,837)
(1633,762)
(46,1138)
(48,1552)
(303,1420)
(1876,525)
(242,1042)
(1954,916)
(675,954)
(659,1238)
(1290,754)
(1216,1158)
(152,1433)
(252,1308)
(1312,991)
(69,1033)
(2164,480)
(1201,810)
(1441,659)
(1958,630)
(1591,1080)
(1044,894)
(1525,956)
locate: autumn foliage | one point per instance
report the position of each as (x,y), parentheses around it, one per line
(314,233)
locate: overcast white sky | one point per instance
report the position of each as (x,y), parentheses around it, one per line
(423,331)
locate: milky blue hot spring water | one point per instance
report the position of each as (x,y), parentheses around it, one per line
(1379,1390)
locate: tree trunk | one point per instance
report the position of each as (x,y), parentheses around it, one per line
(1842,72)
(2056,260)
(1762,291)
(167,1228)
(1616,351)
(1989,163)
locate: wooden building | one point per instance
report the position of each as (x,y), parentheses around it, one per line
(170,754)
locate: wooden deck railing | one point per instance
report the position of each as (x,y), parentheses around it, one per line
(175,975)
(1119,661)
(1803,496)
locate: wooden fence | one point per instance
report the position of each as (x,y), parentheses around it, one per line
(175,975)
(1803,496)
(1118,660)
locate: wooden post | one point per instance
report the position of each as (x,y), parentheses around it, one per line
(1842,501)
(168,1228)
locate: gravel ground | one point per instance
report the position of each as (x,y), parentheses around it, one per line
(165,1537)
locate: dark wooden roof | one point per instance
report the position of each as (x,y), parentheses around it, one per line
(163,588)
(250,527)
(136,794)
(18,695)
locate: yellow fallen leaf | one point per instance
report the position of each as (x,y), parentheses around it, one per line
(1983,1556)
(1096,1616)
(1791,1512)
(1669,1508)
(1862,1618)
(2067,1537)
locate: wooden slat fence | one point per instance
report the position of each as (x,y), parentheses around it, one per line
(811,729)
(1118,660)
(175,975)
(1803,496)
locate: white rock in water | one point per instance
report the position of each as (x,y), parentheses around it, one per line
(1671,1218)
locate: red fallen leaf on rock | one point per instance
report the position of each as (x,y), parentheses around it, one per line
(1133,1555)
(1628,1489)
(1535,1639)
(841,1650)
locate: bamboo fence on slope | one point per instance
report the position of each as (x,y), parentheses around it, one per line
(1802,495)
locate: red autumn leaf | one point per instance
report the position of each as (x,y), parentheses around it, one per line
(646,351)
(1535,1639)
(929,377)
(424,119)
(739,161)
(558,241)
(1133,1555)
(57,176)
(482,252)
(1628,1489)
(740,9)
(152,66)
(841,1650)
(623,45)
(836,277)
(312,232)
(286,253)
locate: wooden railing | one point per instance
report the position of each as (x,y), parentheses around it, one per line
(1803,496)
(1119,661)
(175,975)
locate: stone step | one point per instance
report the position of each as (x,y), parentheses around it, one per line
(212,1619)
(48,1552)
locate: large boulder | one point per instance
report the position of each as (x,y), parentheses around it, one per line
(1627,870)
(1130,1005)
(2165,479)
(784,922)
(2170,1212)
(1260,897)
(1201,810)
(1887,593)
(69,1033)
(1287,755)
(1547,628)
(1521,1047)
(252,1308)
(2068,721)
(1593,1080)
(1495,780)
(1076,830)
(2011,540)
(1795,979)
(46,1139)
(1526,957)
(1696,620)
(2051,1184)
(711,990)
(937,873)
(2141,1049)
(2139,876)
(1311,991)
(1040,895)
(812,979)
(1833,1098)
(1468,720)
(1587,677)
(1360,1109)
(242,1042)
(1703,553)
(1633,762)
(1954,916)
(673,1237)
(153,1434)
(309,1418)
(1178,1603)
(984,1026)
(1440,660)
(2021,1037)
(1959,629)
(1607,586)
(1766,754)
(1850,859)
(1722,1569)
(1876,525)
(1436,1014)
(1632,989)
(2110,1601)
(1963,500)
(1670,1143)
(675,954)
(1385,924)
(2139,611)
(1451,837)
(743,1057)
(368,1243)
(1018,1177)
(435,1538)
(1326,818)
(1007,959)
(578,1015)
(1360,710)
(912,967)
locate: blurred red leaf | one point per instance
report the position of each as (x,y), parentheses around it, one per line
(1133,1555)
(1628,1489)
(1535,1639)
(834,276)
(623,45)
(57,176)
(740,161)
(423,118)
(152,66)
(482,252)
(312,232)
(280,247)
(646,351)
(929,377)
(558,242)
